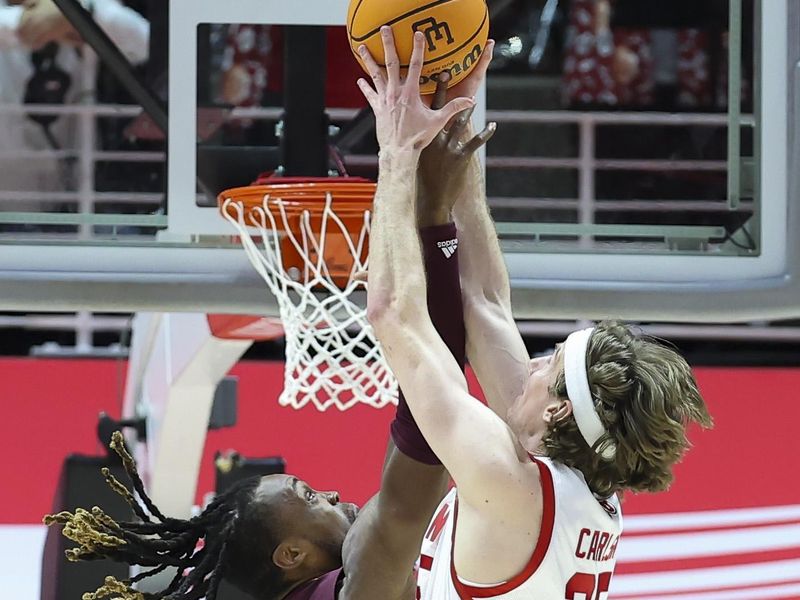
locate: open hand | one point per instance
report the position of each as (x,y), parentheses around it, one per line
(470,85)
(444,165)
(403,122)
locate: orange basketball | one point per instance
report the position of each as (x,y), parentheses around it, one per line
(455,33)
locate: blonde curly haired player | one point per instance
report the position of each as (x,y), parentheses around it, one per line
(536,512)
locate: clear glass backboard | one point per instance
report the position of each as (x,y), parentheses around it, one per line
(603,211)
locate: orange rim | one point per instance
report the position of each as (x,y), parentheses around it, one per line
(348,199)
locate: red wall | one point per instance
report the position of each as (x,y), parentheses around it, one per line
(50,408)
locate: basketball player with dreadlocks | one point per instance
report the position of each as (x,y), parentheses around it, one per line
(276,537)
(535,512)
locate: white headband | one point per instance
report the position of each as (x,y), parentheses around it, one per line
(578,391)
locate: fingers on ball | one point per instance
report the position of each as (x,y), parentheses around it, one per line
(416,63)
(390,53)
(481,139)
(440,95)
(372,67)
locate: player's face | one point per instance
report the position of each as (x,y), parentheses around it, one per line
(305,513)
(527,415)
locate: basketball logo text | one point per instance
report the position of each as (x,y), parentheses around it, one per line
(462,65)
(434,32)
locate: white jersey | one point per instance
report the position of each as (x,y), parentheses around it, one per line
(574,556)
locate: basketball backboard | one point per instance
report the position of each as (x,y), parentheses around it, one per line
(586,266)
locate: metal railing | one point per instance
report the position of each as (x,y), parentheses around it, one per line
(83,324)
(86,198)
(587,164)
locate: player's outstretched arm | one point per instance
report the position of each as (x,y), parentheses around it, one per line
(494,346)
(384,543)
(489,473)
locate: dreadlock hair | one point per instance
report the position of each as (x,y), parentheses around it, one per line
(237,542)
(646,396)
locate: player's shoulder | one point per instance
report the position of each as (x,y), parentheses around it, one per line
(560,474)
(573,494)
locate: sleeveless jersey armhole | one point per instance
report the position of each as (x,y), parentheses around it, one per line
(469,592)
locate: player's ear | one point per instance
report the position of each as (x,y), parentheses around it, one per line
(290,553)
(557,411)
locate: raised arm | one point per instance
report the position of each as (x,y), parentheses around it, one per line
(384,543)
(495,348)
(476,447)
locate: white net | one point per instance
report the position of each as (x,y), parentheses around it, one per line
(332,355)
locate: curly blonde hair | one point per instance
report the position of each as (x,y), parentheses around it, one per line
(646,396)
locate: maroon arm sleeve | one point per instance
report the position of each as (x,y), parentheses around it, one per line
(439,245)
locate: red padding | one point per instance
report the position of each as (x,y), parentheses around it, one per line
(245,327)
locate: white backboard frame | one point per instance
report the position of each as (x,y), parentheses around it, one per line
(550,268)
(123,278)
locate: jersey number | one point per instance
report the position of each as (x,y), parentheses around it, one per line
(588,586)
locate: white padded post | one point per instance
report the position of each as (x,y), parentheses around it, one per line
(175,367)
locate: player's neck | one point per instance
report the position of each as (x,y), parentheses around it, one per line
(293,586)
(528,446)
(284,595)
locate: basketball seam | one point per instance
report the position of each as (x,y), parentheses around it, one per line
(419,9)
(449,54)
(355,13)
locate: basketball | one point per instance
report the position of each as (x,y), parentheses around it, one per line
(455,34)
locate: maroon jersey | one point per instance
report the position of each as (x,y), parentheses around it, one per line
(321,588)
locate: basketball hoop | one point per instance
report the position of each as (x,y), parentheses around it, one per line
(312,239)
